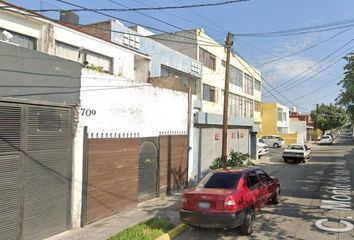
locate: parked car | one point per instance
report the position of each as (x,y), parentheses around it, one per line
(326,139)
(296,152)
(273,141)
(262,148)
(229,198)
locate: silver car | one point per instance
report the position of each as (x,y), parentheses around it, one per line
(273,141)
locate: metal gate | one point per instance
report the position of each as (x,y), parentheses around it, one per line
(148,169)
(35,175)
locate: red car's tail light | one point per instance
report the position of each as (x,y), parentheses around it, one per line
(229,204)
(184,201)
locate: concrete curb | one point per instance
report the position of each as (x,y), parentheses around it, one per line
(173,233)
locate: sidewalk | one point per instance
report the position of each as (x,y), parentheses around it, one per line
(167,207)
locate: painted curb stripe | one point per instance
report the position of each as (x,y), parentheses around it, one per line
(173,233)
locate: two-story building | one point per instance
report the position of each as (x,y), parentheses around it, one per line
(301,123)
(116,115)
(244,98)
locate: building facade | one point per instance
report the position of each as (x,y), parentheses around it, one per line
(244,99)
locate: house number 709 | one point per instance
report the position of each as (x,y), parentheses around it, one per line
(88,112)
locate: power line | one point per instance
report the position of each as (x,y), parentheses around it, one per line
(127,21)
(211,44)
(281,86)
(181,18)
(329,83)
(144,8)
(260,77)
(315,28)
(305,49)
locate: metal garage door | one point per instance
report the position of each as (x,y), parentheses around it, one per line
(35,176)
(10,138)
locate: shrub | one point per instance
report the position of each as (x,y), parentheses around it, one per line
(235,159)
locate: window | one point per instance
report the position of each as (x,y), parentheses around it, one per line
(131,41)
(257,85)
(257,106)
(207,59)
(66,51)
(20,39)
(248,108)
(252,181)
(182,77)
(71,52)
(239,105)
(279,114)
(235,105)
(262,176)
(209,93)
(100,60)
(248,84)
(221,180)
(236,75)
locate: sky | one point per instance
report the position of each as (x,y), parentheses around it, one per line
(292,74)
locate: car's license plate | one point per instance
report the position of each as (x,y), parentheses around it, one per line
(204,205)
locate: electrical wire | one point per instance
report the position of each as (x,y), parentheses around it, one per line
(145,8)
(304,49)
(288,83)
(211,44)
(315,28)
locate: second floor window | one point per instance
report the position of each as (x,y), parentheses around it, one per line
(71,52)
(257,85)
(257,106)
(209,93)
(207,59)
(248,84)
(20,39)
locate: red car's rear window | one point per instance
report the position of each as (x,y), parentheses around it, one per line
(220,180)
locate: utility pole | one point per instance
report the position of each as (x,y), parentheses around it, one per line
(189,115)
(228,44)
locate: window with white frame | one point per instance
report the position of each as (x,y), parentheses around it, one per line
(235,105)
(209,93)
(279,114)
(248,84)
(66,51)
(257,85)
(257,106)
(132,41)
(207,59)
(20,39)
(99,60)
(236,75)
(94,59)
(248,107)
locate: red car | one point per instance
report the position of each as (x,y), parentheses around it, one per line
(229,199)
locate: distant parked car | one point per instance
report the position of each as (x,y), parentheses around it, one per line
(296,152)
(262,148)
(229,198)
(326,139)
(273,141)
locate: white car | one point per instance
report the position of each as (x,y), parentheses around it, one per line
(326,139)
(262,148)
(296,152)
(273,141)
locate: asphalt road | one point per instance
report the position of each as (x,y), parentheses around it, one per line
(316,196)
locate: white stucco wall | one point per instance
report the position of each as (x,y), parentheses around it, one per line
(299,127)
(113,105)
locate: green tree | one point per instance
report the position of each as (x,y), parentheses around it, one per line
(346,97)
(329,117)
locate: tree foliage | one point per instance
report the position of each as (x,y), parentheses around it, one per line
(329,117)
(235,159)
(346,97)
